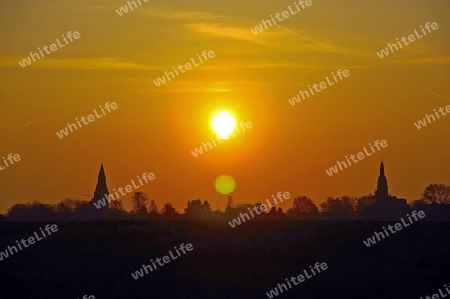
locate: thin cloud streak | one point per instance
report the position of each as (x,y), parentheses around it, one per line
(180,15)
(101,63)
(236,33)
(34,121)
(438,95)
(323,46)
(424,61)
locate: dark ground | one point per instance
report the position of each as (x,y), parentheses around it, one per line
(97,258)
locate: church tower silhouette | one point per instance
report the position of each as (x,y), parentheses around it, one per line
(386,207)
(101,189)
(382,188)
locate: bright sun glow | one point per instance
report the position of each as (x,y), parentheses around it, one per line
(223,124)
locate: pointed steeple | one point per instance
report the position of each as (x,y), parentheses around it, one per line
(382,187)
(101,189)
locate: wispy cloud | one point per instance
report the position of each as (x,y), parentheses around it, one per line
(34,121)
(287,65)
(180,15)
(216,87)
(319,45)
(100,63)
(211,87)
(227,32)
(438,95)
(425,61)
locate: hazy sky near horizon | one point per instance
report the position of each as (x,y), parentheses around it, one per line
(155,128)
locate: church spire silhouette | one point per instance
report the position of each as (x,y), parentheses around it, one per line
(101,189)
(382,187)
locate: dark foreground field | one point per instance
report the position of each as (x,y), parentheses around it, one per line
(95,258)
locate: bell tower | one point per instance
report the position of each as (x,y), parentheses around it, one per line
(382,188)
(101,189)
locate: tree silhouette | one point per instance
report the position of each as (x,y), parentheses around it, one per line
(35,211)
(230,204)
(302,204)
(86,211)
(364,202)
(418,203)
(195,209)
(436,194)
(330,205)
(139,201)
(66,207)
(116,205)
(272,211)
(258,206)
(348,204)
(17,211)
(153,208)
(342,204)
(206,206)
(169,211)
(63,208)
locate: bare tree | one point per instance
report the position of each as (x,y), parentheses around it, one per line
(329,205)
(302,204)
(343,204)
(436,194)
(196,208)
(116,205)
(207,206)
(230,204)
(152,208)
(62,208)
(139,201)
(68,205)
(168,210)
(348,204)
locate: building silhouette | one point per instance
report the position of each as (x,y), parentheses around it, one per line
(382,188)
(101,190)
(386,207)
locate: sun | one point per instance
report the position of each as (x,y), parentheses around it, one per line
(225,184)
(223,124)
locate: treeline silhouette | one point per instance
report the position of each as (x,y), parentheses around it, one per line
(435,201)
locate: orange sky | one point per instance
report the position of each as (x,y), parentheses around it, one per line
(155,128)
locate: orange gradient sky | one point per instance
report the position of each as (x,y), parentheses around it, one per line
(155,128)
